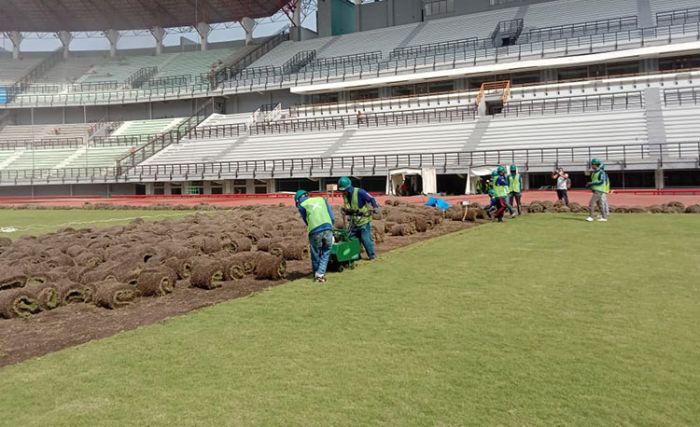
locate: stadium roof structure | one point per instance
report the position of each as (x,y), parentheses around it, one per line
(99,15)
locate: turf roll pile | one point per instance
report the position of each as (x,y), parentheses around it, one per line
(294,250)
(46,295)
(270,267)
(113,294)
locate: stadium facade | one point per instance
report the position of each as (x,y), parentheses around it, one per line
(443,89)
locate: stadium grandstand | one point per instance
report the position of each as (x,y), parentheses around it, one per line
(447,88)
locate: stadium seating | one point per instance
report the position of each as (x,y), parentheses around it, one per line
(11,70)
(681,124)
(120,69)
(39,132)
(575,11)
(566,131)
(146,127)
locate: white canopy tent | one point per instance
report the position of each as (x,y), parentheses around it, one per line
(397,176)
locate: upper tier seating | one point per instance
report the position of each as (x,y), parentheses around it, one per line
(146,127)
(574,11)
(120,69)
(479,25)
(192,63)
(12,70)
(71,70)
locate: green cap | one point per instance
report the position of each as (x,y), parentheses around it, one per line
(299,194)
(513,168)
(344,183)
(501,169)
(595,162)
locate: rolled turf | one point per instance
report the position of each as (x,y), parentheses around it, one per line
(207,273)
(18,303)
(156,281)
(12,278)
(270,267)
(182,267)
(112,294)
(70,292)
(45,294)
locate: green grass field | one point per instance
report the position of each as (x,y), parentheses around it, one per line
(40,221)
(544,320)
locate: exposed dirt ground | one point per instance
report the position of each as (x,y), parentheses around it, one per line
(22,339)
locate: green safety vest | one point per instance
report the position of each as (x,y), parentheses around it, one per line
(514,183)
(354,204)
(602,188)
(500,190)
(316,212)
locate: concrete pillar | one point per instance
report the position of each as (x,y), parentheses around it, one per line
(158,33)
(167,189)
(358,15)
(271,186)
(16,38)
(659,178)
(228,186)
(66,37)
(206,187)
(113,37)
(203,29)
(248,26)
(150,188)
(526,181)
(250,186)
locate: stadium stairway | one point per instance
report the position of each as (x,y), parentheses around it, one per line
(482,125)
(656,127)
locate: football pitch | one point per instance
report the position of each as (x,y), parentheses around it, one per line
(543,320)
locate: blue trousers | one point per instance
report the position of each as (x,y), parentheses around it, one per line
(320,244)
(364,233)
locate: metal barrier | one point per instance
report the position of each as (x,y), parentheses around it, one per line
(649,155)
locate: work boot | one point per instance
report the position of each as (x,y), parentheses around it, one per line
(589,219)
(320,279)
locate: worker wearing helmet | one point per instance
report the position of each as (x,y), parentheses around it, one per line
(600,186)
(500,193)
(515,187)
(319,219)
(360,205)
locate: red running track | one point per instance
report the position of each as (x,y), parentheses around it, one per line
(619,198)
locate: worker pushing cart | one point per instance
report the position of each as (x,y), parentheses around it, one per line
(359,205)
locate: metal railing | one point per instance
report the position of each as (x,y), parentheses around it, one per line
(161,141)
(45,143)
(582,28)
(620,156)
(681,96)
(141,76)
(680,16)
(574,104)
(564,47)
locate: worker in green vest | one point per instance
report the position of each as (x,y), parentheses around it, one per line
(359,205)
(500,193)
(515,187)
(600,186)
(319,219)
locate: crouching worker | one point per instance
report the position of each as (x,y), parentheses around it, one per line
(319,219)
(360,205)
